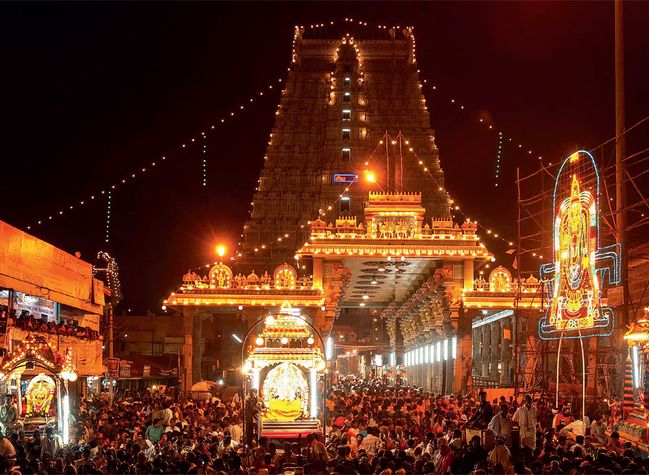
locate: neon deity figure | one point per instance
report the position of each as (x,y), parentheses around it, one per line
(575,303)
(574,279)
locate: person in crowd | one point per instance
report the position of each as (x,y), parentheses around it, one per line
(483,415)
(598,430)
(562,419)
(154,431)
(379,429)
(526,418)
(500,455)
(7,449)
(51,443)
(501,424)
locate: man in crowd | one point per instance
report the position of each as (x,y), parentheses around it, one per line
(154,431)
(501,424)
(483,415)
(598,430)
(526,418)
(414,432)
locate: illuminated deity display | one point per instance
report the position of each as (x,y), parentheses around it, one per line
(39,396)
(286,392)
(575,277)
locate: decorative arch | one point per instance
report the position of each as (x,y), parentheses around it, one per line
(500,280)
(284,277)
(220,275)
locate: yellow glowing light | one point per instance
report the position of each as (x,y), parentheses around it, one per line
(220,250)
(259,341)
(370,177)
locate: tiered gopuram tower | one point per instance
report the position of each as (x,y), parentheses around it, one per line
(345,90)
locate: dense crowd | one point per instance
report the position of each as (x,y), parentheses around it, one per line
(370,429)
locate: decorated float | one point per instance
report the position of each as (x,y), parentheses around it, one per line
(634,425)
(35,376)
(285,364)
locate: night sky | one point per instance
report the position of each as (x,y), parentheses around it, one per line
(92,91)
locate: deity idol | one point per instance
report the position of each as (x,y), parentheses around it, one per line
(580,266)
(576,289)
(39,396)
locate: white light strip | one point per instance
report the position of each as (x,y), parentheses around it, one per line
(439,350)
(314,393)
(329,349)
(636,366)
(491,318)
(445,345)
(66,419)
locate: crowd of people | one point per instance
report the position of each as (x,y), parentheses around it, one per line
(370,429)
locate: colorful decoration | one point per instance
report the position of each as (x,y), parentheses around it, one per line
(220,275)
(284,277)
(500,280)
(286,393)
(68,371)
(574,280)
(39,395)
(34,348)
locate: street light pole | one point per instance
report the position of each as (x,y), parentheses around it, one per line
(620,151)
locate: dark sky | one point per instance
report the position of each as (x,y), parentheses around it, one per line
(92,91)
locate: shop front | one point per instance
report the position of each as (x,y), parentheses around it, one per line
(50,341)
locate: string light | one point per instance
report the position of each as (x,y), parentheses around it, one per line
(108,209)
(204,159)
(450,199)
(322,212)
(498,157)
(222,120)
(457,105)
(112,275)
(143,170)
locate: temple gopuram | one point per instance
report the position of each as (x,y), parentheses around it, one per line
(379,267)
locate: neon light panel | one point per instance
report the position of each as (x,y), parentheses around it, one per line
(574,279)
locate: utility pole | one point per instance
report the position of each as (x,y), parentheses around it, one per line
(620,201)
(516,316)
(111,339)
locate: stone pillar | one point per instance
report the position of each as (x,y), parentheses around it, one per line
(317,273)
(199,349)
(485,356)
(477,340)
(505,352)
(468,275)
(188,349)
(462,368)
(494,359)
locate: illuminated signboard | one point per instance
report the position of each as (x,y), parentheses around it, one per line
(345,178)
(580,268)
